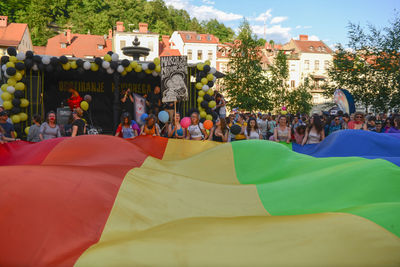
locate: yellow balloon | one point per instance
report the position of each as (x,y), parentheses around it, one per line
(7,105)
(134,64)
(207,62)
(210,92)
(209,117)
(19,86)
(27,130)
(13,59)
(15,118)
(6,96)
(203,114)
(200,99)
(94,67)
(283,112)
(73,65)
(123,73)
(17,76)
(22,72)
(201,109)
(128,69)
(138,68)
(204,81)
(24,103)
(200,66)
(212,104)
(201,93)
(148,71)
(11,81)
(66,66)
(10,64)
(210,77)
(158,68)
(199,86)
(23,116)
(157,61)
(84,105)
(107,57)
(4,87)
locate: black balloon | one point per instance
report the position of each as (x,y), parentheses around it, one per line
(110,53)
(207,97)
(210,84)
(19,94)
(12,51)
(202,74)
(19,66)
(54,60)
(79,62)
(16,102)
(204,104)
(49,68)
(236,129)
(41,67)
(202,120)
(152,66)
(11,71)
(125,63)
(98,61)
(208,110)
(206,68)
(28,63)
(113,65)
(4,59)
(198,79)
(29,54)
(37,59)
(63,60)
(15,110)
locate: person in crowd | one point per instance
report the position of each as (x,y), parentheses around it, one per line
(150,127)
(8,119)
(379,128)
(271,125)
(127,101)
(49,129)
(3,138)
(219,133)
(336,125)
(358,122)
(282,131)
(396,125)
(352,116)
(7,127)
(326,122)
(127,128)
(153,101)
(175,129)
(196,130)
(34,129)
(78,125)
(299,134)
(241,121)
(315,131)
(221,106)
(252,131)
(371,124)
(263,125)
(169,108)
(345,122)
(387,125)
(296,122)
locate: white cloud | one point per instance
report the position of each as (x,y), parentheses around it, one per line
(203,12)
(263,16)
(276,20)
(298,26)
(307,27)
(208,2)
(313,38)
(277,33)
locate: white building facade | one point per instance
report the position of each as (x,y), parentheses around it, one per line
(122,38)
(197,47)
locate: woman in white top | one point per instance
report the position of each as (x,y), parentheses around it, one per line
(196,130)
(282,131)
(315,132)
(252,131)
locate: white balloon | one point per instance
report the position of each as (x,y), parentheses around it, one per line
(120,68)
(213,70)
(4,67)
(21,56)
(205,88)
(11,89)
(6,75)
(154,73)
(110,71)
(35,67)
(45,60)
(86,65)
(115,57)
(105,64)
(214,79)
(145,66)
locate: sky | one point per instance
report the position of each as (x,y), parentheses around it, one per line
(319,19)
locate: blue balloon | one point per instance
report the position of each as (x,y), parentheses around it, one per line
(163,116)
(144,117)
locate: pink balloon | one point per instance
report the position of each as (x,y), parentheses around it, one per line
(283,108)
(185,122)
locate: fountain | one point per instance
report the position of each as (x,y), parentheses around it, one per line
(136,51)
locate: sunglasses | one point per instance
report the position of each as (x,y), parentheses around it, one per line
(358,117)
(336,119)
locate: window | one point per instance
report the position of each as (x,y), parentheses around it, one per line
(319,48)
(316,65)
(122,44)
(223,52)
(210,54)
(208,37)
(292,83)
(100,47)
(199,55)
(323,49)
(150,46)
(198,38)
(188,36)
(306,64)
(326,63)
(189,53)
(311,48)
(63,45)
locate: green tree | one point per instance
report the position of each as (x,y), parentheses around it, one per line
(245,82)
(225,34)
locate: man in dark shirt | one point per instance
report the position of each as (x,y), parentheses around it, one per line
(8,127)
(153,101)
(127,102)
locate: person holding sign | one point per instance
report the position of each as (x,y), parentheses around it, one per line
(153,101)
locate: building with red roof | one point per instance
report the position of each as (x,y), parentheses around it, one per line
(78,45)
(165,47)
(14,35)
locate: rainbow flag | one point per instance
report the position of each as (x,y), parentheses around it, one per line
(151,201)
